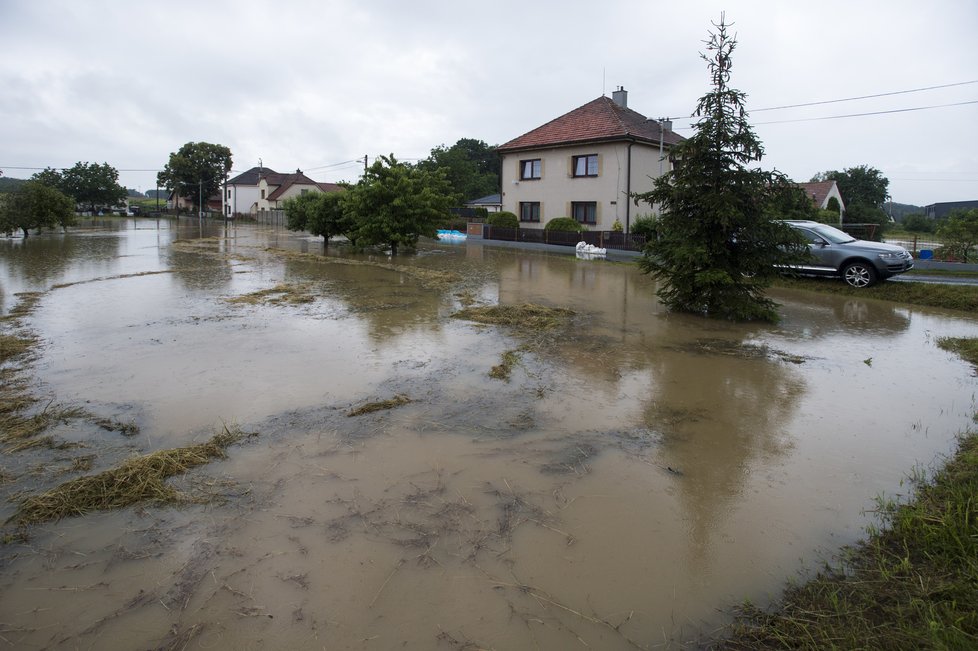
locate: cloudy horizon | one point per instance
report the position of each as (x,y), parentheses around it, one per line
(318,85)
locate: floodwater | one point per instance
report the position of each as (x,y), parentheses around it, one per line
(638,475)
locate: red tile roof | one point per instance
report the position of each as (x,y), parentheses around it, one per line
(286,181)
(817,191)
(599,120)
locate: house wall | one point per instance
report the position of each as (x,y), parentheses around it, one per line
(242,199)
(293,191)
(834,192)
(557,187)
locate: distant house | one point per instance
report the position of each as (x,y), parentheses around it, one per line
(261,189)
(585,164)
(821,191)
(943,209)
(492,203)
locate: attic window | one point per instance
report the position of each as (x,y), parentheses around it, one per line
(530,169)
(586,165)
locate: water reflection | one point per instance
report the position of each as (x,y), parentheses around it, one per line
(636,461)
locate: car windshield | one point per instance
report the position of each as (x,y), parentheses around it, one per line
(833,235)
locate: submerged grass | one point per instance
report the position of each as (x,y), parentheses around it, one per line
(952,297)
(12,346)
(966,347)
(525,314)
(382,405)
(138,479)
(911,585)
(428,277)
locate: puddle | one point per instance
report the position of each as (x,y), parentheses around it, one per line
(632,474)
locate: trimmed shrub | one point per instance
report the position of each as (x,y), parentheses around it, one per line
(617,227)
(833,204)
(644,225)
(503,219)
(564,224)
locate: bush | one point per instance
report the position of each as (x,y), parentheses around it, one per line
(564,224)
(503,219)
(917,223)
(644,225)
(617,227)
(833,205)
(960,233)
(827,216)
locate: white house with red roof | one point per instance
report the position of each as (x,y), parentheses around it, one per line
(261,189)
(585,164)
(820,192)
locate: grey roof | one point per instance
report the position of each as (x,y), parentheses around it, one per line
(251,176)
(491,199)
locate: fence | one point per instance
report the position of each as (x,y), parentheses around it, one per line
(602,239)
(273,217)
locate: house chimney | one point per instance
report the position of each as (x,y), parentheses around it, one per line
(620,97)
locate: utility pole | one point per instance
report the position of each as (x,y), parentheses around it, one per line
(364,163)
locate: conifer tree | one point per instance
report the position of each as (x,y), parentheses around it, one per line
(716,242)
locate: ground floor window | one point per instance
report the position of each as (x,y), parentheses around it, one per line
(529,211)
(586,212)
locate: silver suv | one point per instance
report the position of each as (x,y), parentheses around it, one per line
(836,253)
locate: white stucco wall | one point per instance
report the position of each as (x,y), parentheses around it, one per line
(558,187)
(242,199)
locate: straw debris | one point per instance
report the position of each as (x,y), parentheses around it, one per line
(12,346)
(527,315)
(504,369)
(371,407)
(138,479)
(281,294)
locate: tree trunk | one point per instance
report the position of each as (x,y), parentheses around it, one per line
(26,234)
(393,248)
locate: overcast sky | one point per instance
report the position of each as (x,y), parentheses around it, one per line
(314,84)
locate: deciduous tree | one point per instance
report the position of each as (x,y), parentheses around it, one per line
(319,213)
(716,241)
(93,185)
(196,171)
(471,167)
(36,205)
(394,204)
(960,233)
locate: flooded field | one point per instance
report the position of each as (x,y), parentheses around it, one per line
(403,475)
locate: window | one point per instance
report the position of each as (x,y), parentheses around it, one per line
(304,191)
(229,193)
(585,212)
(531,169)
(529,211)
(586,165)
(262,194)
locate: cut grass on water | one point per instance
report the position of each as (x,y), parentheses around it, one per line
(138,479)
(527,315)
(278,295)
(504,369)
(951,297)
(382,405)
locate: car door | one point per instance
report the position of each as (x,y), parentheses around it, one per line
(822,260)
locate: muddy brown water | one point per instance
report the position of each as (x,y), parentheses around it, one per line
(638,475)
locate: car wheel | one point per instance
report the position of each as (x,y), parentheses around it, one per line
(859,274)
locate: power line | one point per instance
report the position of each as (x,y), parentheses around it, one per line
(857,115)
(850,99)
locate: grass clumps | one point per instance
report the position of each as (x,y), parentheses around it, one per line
(528,315)
(382,405)
(504,369)
(138,479)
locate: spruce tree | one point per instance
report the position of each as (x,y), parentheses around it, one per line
(716,242)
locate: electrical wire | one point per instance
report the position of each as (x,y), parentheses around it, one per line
(857,115)
(850,99)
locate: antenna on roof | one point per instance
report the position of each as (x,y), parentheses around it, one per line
(602,81)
